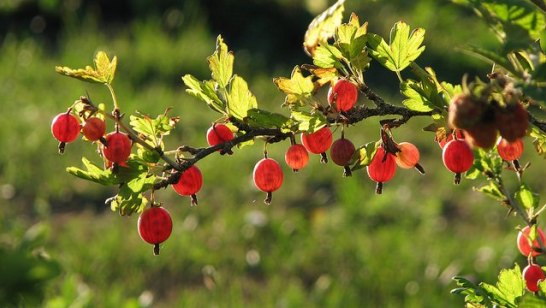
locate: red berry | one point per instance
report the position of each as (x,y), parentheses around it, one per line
(343,95)
(408,156)
(382,168)
(532,274)
(93,129)
(65,127)
(524,242)
(318,142)
(465,111)
(219,133)
(118,147)
(189,183)
(296,157)
(510,151)
(449,137)
(267,176)
(512,121)
(155,226)
(457,157)
(342,152)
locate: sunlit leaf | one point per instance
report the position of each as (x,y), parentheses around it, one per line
(266,119)
(327,56)
(308,122)
(323,27)
(526,197)
(365,155)
(539,141)
(509,288)
(297,88)
(323,75)
(403,48)
(240,99)
(103,72)
(221,63)
(351,39)
(492,190)
(93,173)
(205,92)
(417,97)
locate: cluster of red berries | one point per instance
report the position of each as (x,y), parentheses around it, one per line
(482,121)
(458,156)
(115,146)
(530,246)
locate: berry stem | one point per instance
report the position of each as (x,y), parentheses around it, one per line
(268,198)
(156,249)
(347,171)
(420,168)
(457,179)
(323,158)
(194,200)
(379,188)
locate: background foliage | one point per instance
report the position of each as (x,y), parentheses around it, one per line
(325,240)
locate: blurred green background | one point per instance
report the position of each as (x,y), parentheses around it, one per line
(324,241)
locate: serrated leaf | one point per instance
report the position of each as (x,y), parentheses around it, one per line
(93,173)
(266,119)
(403,48)
(323,75)
(205,92)
(153,129)
(526,197)
(510,287)
(417,98)
(491,190)
(103,72)
(298,89)
(539,141)
(543,41)
(240,99)
(327,56)
(351,39)
(365,155)
(323,27)
(126,202)
(221,63)
(473,294)
(308,122)
(142,183)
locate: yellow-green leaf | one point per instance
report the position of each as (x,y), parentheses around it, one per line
(205,92)
(103,72)
(221,63)
(323,27)
(308,122)
(403,48)
(297,88)
(240,99)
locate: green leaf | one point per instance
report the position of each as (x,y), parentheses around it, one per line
(526,197)
(308,122)
(491,57)
(93,173)
(539,141)
(530,300)
(327,56)
(473,294)
(126,202)
(323,75)
(492,190)
(351,39)
(323,27)
(153,129)
(103,72)
(142,183)
(298,89)
(403,48)
(266,119)
(240,99)
(510,287)
(221,63)
(417,96)
(543,41)
(365,155)
(205,92)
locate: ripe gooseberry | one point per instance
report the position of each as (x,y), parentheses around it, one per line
(342,152)
(155,226)
(343,95)
(93,129)
(510,150)
(117,148)
(219,133)
(408,156)
(296,157)
(318,142)
(526,246)
(532,274)
(65,128)
(189,183)
(381,169)
(483,135)
(267,177)
(457,157)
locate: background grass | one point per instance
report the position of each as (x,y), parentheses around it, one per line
(324,241)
